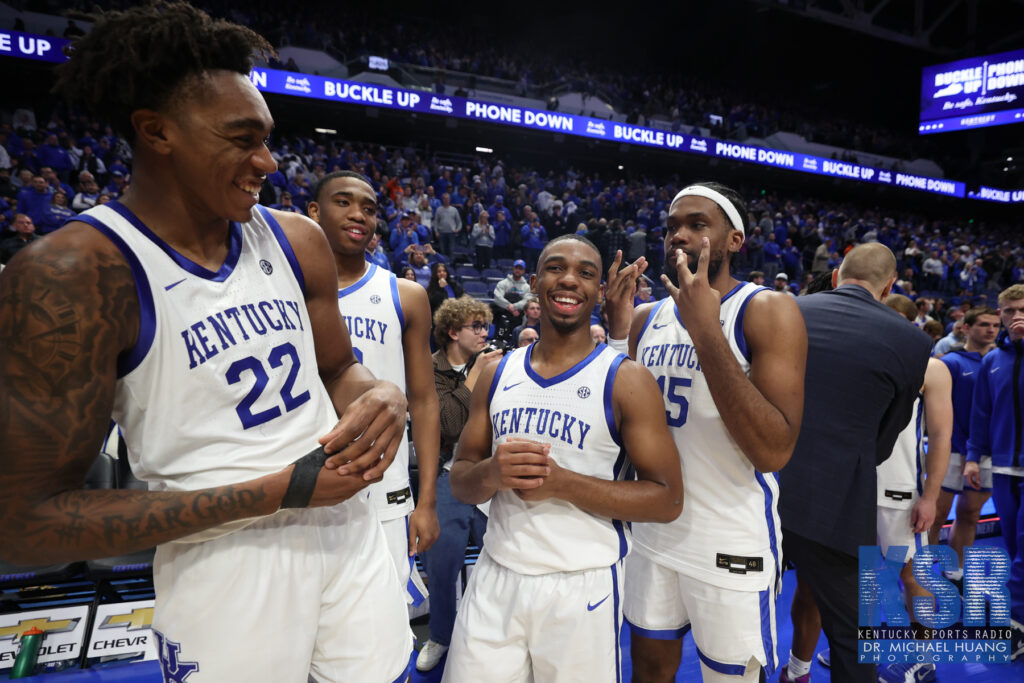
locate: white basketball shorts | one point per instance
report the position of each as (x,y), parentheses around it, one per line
(555,628)
(303,592)
(729,626)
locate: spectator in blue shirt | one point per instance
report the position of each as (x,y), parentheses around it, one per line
(117,184)
(33,200)
(772,251)
(402,235)
(791,260)
(57,212)
(502,235)
(534,238)
(51,154)
(300,190)
(286,204)
(375,253)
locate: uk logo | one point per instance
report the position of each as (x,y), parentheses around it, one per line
(583,392)
(266,267)
(174,669)
(375,299)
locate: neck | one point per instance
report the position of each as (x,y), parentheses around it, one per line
(167,209)
(724,282)
(350,267)
(557,345)
(977,348)
(456,354)
(861,283)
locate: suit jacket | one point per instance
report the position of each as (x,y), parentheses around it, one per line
(865,367)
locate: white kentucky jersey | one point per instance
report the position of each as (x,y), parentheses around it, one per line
(728,534)
(572,412)
(901,476)
(373,314)
(222,384)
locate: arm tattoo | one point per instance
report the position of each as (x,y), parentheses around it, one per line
(66,312)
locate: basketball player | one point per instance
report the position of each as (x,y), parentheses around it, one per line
(388,321)
(546,443)
(728,357)
(981,326)
(209,328)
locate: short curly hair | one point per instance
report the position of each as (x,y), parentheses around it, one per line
(454,313)
(138,59)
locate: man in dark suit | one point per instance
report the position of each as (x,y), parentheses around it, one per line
(865,366)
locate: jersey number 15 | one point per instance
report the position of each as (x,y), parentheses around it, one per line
(674,398)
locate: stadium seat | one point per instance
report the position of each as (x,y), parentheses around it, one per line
(493,274)
(475,288)
(468,272)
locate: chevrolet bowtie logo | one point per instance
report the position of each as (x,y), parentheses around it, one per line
(141,617)
(55,626)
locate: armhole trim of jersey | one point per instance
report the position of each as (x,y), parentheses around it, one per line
(497,376)
(130,359)
(609,409)
(397,300)
(738,334)
(650,317)
(286,247)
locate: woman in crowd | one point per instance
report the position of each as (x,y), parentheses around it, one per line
(442,286)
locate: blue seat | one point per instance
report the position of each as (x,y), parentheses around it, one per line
(468,272)
(475,288)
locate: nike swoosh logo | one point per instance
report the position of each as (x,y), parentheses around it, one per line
(968,373)
(174,284)
(509,386)
(658,327)
(993,371)
(591,608)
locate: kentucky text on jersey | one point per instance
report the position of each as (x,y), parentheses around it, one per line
(680,355)
(365,328)
(553,423)
(238,324)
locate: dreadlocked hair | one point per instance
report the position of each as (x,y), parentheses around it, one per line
(137,58)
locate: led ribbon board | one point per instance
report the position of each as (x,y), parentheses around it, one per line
(51,49)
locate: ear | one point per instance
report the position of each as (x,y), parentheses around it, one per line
(735,243)
(313,209)
(453,333)
(153,130)
(888,288)
(835,277)
(533,279)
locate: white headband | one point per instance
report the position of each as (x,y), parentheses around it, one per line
(717,198)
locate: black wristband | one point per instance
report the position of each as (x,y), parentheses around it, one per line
(303,481)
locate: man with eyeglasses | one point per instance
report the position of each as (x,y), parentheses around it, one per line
(460,330)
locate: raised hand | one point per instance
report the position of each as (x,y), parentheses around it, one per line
(696,300)
(619,289)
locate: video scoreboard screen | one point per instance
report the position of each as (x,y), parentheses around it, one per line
(973,93)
